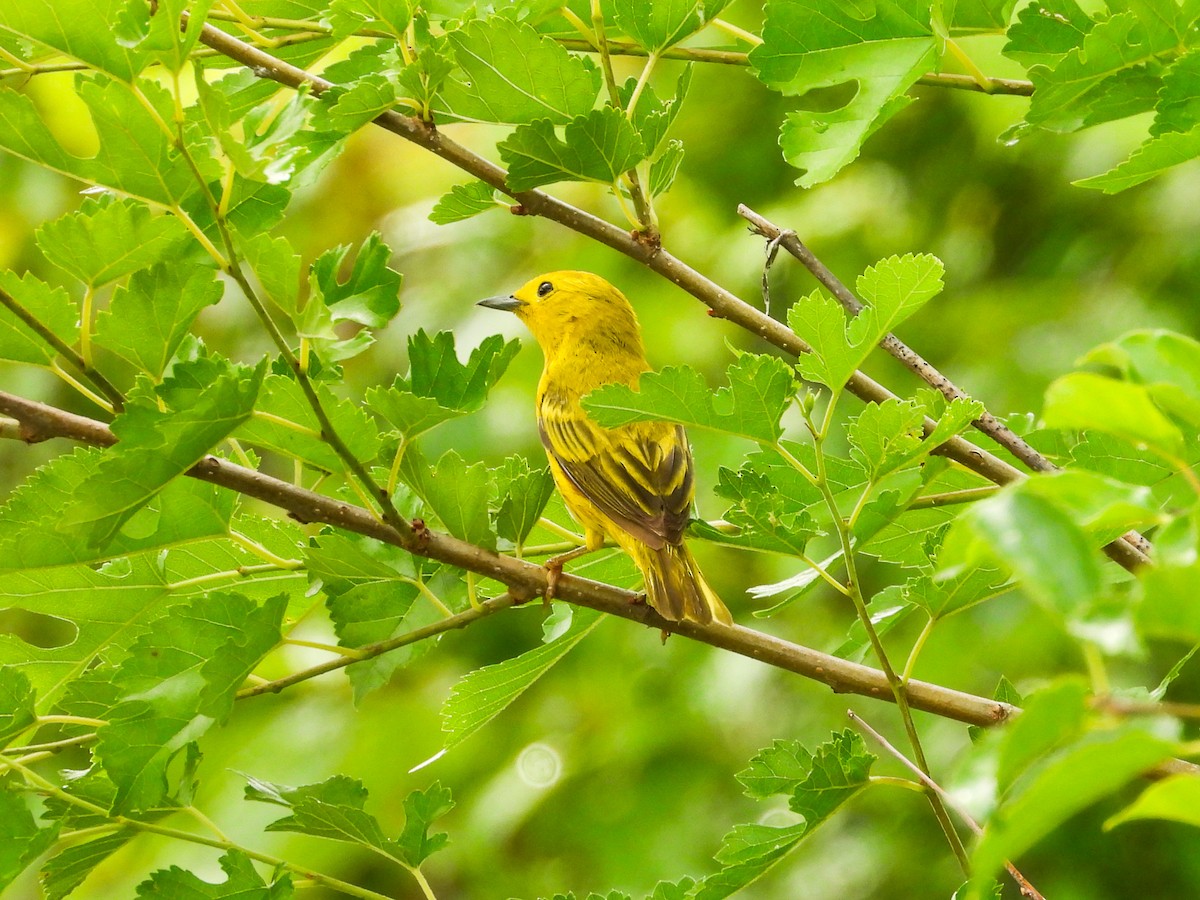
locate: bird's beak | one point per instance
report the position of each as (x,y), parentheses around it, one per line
(505,304)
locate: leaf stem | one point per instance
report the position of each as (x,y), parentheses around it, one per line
(898,686)
(63,349)
(642,81)
(83,389)
(917,647)
(254,547)
(734,31)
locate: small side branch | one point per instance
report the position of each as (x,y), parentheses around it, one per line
(1130,551)
(1027,889)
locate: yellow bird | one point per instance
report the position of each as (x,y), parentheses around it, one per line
(633,483)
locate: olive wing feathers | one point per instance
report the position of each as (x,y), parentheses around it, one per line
(638,475)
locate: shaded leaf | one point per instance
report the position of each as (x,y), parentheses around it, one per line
(598,146)
(483,694)
(106,239)
(464,201)
(512,75)
(760,388)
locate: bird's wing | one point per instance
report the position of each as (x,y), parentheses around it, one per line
(638,475)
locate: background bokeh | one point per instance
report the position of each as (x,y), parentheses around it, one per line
(617,769)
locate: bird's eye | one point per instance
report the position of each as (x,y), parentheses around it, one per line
(544,288)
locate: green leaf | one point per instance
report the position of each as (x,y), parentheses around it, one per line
(185,510)
(346,16)
(155,448)
(276,265)
(423,78)
(146,321)
(242,883)
(598,146)
(17,698)
(809,45)
(664,169)
(1064,96)
(1079,775)
(21,841)
(983,15)
(482,695)
(439,387)
(1052,717)
(1174,799)
(421,808)
(107,239)
(886,610)
(291,427)
(373,593)
(156,30)
(68,868)
(180,677)
(334,809)
(763,517)
(49,306)
(947,593)
(522,495)
(1177,108)
(135,156)
(267,141)
(818,782)
(86,34)
(1049,554)
(1168,609)
(658,24)
(369,296)
(1047,31)
(1090,402)
(884,435)
(1150,160)
(464,201)
(893,289)
(344,110)
(514,76)
(760,388)
(456,492)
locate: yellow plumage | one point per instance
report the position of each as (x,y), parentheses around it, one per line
(632,483)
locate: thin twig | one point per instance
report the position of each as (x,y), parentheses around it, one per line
(370,651)
(1027,889)
(1130,550)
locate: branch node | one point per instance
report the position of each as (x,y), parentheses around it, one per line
(519,210)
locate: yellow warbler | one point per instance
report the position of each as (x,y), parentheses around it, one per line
(632,483)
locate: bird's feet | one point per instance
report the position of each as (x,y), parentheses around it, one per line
(553,569)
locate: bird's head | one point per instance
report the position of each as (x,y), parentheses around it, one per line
(573,309)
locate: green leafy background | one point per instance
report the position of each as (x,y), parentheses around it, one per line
(616,769)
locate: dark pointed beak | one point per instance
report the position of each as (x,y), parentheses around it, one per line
(505,304)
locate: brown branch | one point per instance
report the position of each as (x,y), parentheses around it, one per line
(1129,551)
(526,580)
(722,303)
(39,422)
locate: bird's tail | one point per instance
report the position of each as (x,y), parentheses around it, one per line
(676,588)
